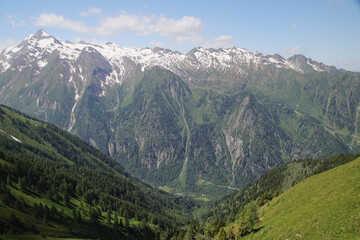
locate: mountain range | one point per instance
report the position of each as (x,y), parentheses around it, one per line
(203,123)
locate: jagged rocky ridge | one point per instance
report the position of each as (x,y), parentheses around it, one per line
(205,122)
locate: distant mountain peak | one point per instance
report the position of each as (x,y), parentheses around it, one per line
(41,33)
(297,57)
(278,57)
(40,39)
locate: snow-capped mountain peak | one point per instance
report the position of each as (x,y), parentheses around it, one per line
(37,47)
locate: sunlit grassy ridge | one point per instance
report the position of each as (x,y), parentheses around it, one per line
(324,206)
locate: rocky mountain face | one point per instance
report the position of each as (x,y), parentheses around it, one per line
(204,122)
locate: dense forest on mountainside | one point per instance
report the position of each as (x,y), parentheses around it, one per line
(55,184)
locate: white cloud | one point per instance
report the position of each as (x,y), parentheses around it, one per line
(187,29)
(91,11)
(8,42)
(187,26)
(292,51)
(141,25)
(224,41)
(58,21)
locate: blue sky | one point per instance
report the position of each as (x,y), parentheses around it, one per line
(327,31)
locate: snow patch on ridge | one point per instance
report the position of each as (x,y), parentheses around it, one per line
(42,63)
(112,79)
(43,43)
(314,66)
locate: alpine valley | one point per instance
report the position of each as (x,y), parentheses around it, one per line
(202,123)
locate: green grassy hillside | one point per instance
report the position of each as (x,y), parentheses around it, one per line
(325,206)
(251,210)
(267,186)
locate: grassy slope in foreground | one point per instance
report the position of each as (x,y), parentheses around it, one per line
(325,206)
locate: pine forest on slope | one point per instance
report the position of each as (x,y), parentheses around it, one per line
(204,123)
(54,184)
